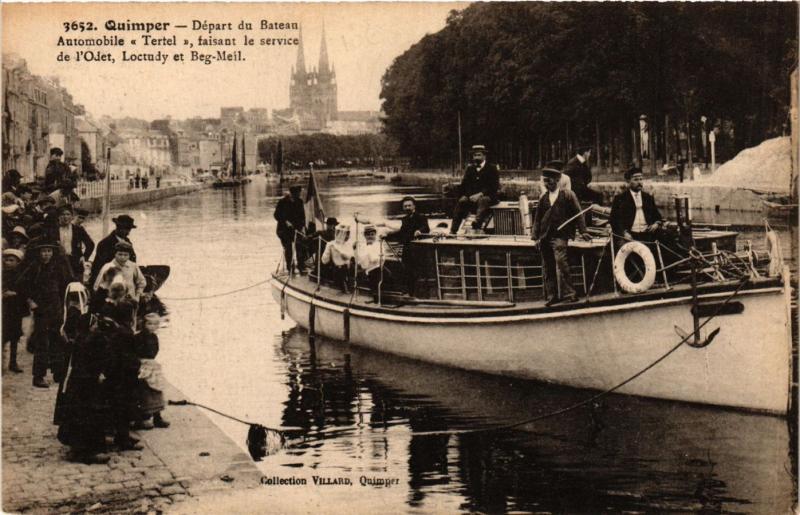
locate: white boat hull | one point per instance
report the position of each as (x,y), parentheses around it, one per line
(746,366)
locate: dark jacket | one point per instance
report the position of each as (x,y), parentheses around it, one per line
(623,211)
(105,253)
(548,218)
(290,210)
(411,224)
(82,246)
(45,284)
(486,181)
(579,173)
(146,345)
(55,173)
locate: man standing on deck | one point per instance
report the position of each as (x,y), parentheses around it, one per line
(580,175)
(106,248)
(291,217)
(478,190)
(553,226)
(634,215)
(413,226)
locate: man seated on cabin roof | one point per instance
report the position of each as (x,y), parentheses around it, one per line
(634,215)
(553,225)
(478,190)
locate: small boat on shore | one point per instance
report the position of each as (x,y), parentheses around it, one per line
(709,327)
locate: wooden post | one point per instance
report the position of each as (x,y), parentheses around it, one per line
(651,144)
(666,139)
(712,139)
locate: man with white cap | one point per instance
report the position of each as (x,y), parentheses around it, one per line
(553,226)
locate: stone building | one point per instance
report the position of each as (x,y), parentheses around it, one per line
(26,120)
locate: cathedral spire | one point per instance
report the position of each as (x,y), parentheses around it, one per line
(300,67)
(324,67)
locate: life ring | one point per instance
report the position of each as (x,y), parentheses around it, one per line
(625,282)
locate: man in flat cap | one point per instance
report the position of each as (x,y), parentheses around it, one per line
(634,215)
(56,172)
(552,228)
(580,175)
(42,285)
(291,218)
(76,242)
(105,249)
(478,190)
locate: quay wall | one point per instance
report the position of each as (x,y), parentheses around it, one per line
(130,198)
(703,196)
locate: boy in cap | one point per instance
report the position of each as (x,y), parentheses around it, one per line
(552,232)
(14,308)
(42,286)
(132,276)
(105,249)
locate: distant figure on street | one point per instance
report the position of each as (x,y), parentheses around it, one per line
(138,179)
(478,190)
(634,215)
(555,208)
(580,175)
(413,226)
(291,218)
(105,249)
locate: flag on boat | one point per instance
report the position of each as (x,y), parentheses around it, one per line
(313,204)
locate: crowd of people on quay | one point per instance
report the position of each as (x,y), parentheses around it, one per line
(340,254)
(91,323)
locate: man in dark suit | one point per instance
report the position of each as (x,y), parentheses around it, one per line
(580,175)
(291,218)
(634,215)
(78,245)
(105,249)
(478,190)
(413,226)
(553,226)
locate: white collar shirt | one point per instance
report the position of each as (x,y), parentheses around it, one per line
(553,196)
(65,237)
(639,221)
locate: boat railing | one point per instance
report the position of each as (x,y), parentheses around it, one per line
(467,275)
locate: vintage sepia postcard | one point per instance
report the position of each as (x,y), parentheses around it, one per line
(400,257)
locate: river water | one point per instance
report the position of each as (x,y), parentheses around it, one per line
(234,353)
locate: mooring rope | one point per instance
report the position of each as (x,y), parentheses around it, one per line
(214,295)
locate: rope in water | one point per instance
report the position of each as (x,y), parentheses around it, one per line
(190,403)
(223,294)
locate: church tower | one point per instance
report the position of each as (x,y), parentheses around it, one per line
(313,94)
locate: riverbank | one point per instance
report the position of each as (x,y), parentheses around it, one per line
(134,197)
(703,196)
(193,458)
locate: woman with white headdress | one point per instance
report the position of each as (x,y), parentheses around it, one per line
(338,254)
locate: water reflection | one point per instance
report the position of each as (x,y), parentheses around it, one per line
(626,454)
(361,409)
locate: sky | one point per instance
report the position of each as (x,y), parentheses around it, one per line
(363,39)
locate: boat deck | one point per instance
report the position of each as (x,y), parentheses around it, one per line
(399,305)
